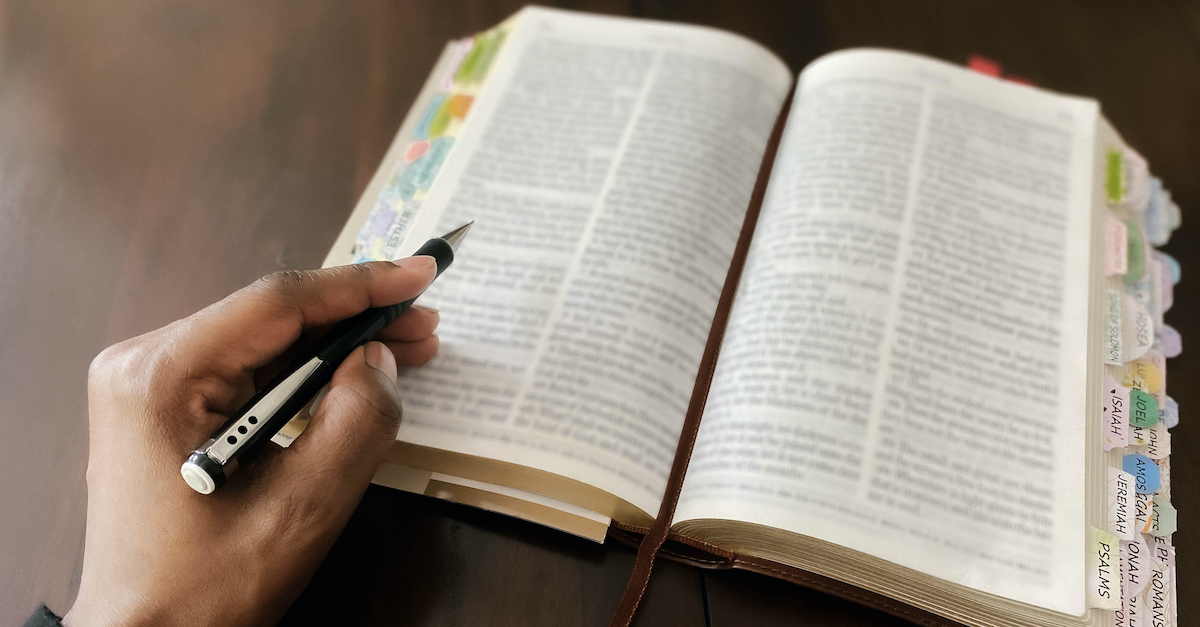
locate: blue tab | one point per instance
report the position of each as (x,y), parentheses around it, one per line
(1168,414)
(1172,267)
(1144,471)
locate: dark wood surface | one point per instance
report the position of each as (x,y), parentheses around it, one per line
(156,156)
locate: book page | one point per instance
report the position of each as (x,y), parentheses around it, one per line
(904,370)
(607,164)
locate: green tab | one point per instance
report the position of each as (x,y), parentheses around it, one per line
(441,120)
(1143,409)
(1114,184)
(1137,252)
(1166,519)
(483,51)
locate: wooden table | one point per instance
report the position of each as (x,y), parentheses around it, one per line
(156,156)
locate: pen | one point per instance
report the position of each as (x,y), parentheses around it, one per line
(209,466)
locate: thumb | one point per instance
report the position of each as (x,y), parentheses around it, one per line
(354,426)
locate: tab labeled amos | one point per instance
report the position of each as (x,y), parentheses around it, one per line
(1144,471)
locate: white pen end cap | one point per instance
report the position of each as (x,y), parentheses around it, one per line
(199,480)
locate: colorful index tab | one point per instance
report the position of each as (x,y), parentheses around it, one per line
(1113,349)
(984,65)
(1104,578)
(1168,413)
(1137,565)
(1144,471)
(1154,442)
(1137,328)
(1116,414)
(1116,248)
(1157,602)
(1143,508)
(1120,503)
(1173,269)
(475,65)
(1137,192)
(1166,289)
(1172,342)
(1165,518)
(1137,252)
(1114,177)
(1143,409)
(1143,375)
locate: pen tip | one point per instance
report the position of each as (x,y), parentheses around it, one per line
(455,237)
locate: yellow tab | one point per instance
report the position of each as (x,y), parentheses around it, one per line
(1142,375)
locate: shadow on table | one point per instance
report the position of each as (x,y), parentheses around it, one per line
(406,559)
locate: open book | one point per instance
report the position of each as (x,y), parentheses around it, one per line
(880,307)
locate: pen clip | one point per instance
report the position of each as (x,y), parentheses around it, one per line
(242,430)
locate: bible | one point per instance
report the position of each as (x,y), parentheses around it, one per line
(891,328)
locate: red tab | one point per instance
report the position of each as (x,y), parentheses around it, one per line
(983,65)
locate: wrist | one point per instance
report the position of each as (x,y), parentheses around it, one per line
(89,612)
(114,606)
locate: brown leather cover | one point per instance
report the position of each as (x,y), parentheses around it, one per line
(657,539)
(701,554)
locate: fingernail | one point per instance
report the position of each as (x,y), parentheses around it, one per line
(420,262)
(427,308)
(381,358)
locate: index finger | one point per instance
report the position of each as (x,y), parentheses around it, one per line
(252,326)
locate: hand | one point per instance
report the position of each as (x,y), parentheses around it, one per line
(158,553)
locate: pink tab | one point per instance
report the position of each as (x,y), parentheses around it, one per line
(1116,247)
(1164,551)
(1168,288)
(1137,566)
(1172,342)
(1116,414)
